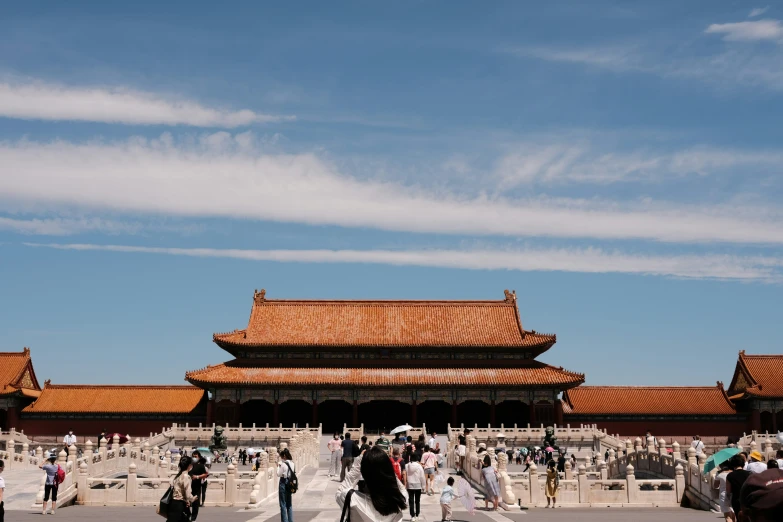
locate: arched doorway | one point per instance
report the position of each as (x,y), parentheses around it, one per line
(256,411)
(297,412)
(779,421)
(472,413)
(333,415)
(383,415)
(435,414)
(512,412)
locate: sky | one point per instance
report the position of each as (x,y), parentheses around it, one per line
(618,164)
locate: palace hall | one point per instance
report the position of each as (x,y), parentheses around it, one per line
(384,363)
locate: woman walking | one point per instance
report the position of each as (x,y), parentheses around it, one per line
(181,496)
(285,468)
(552,483)
(383,497)
(415,481)
(492,485)
(723,500)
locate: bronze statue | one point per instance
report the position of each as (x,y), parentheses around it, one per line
(218,440)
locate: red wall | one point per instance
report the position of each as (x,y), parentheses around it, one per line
(91,428)
(632,429)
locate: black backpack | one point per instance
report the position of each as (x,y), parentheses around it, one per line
(292,483)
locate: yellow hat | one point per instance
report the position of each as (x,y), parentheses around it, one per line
(755,455)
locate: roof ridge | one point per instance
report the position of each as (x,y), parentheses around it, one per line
(650,386)
(106,386)
(371,302)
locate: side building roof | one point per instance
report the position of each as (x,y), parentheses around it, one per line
(90,400)
(647,400)
(757,376)
(384,324)
(17,375)
(235,373)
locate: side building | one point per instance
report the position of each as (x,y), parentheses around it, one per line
(18,386)
(757,389)
(384,363)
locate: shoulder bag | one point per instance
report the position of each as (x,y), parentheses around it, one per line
(346,516)
(165,500)
(292,482)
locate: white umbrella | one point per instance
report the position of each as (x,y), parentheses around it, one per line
(400,429)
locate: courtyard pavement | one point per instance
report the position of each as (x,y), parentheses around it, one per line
(315,503)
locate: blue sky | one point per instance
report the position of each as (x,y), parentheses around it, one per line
(617,163)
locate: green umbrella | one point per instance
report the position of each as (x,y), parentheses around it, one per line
(719,458)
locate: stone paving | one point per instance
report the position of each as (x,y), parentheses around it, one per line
(315,503)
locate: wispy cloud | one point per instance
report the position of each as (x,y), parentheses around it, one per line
(59,226)
(749,31)
(758,11)
(225,176)
(45,101)
(588,260)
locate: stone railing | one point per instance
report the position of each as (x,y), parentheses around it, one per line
(12,435)
(587,488)
(16,458)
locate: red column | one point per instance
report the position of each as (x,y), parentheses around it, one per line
(755,419)
(355,414)
(413,414)
(532,414)
(558,412)
(315,414)
(211,411)
(492,414)
(276,413)
(12,418)
(454,414)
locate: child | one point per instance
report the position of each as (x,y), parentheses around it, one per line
(446,496)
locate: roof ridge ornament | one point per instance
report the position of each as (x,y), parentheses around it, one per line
(511,297)
(259,297)
(26,350)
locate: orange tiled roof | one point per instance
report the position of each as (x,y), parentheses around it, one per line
(647,400)
(758,375)
(385,324)
(17,375)
(233,373)
(84,399)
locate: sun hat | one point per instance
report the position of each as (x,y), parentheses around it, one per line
(762,495)
(755,455)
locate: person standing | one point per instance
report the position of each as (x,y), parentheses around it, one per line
(462,449)
(433,442)
(181,496)
(491,483)
(383,443)
(198,474)
(364,446)
(383,497)
(430,465)
(334,459)
(735,480)
(756,465)
(698,445)
(552,483)
(69,440)
(50,485)
(285,468)
(347,447)
(446,496)
(2,492)
(720,484)
(397,463)
(414,482)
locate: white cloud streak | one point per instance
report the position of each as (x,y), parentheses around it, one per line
(587,260)
(758,11)
(749,31)
(66,226)
(223,176)
(43,101)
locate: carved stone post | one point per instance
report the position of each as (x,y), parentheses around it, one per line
(506,489)
(692,456)
(628,447)
(702,461)
(535,489)
(38,456)
(131,487)
(82,489)
(569,474)
(584,487)
(155,461)
(231,486)
(630,484)
(679,482)
(11,450)
(676,450)
(650,444)
(638,444)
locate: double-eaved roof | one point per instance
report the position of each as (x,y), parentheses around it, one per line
(84,399)
(757,376)
(647,400)
(384,324)
(237,374)
(17,376)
